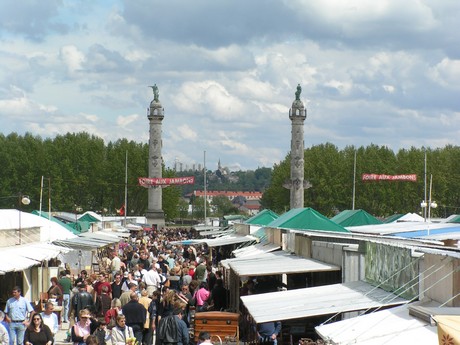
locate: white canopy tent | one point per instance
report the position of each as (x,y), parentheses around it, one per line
(392,326)
(12,219)
(321,300)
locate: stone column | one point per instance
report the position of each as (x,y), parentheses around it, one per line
(155,214)
(297,115)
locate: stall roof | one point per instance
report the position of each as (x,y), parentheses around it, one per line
(18,258)
(277,263)
(48,216)
(321,300)
(88,241)
(200,228)
(393,218)
(305,219)
(390,326)
(216,233)
(255,249)
(220,241)
(397,229)
(355,218)
(15,263)
(264,217)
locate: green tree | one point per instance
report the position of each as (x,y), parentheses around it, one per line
(198,208)
(223,206)
(183,207)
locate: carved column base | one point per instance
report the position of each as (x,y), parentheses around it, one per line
(156,217)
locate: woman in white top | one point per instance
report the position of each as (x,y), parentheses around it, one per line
(122,334)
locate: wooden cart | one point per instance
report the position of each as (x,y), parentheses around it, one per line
(223,325)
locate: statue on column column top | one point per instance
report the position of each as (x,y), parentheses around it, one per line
(298,92)
(156,92)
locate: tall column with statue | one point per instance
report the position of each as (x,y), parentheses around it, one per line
(297,184)
(155,214)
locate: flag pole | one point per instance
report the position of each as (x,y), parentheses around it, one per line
(126,185)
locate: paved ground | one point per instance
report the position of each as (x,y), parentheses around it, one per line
(62,334)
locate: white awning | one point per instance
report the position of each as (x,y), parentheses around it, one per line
(277,263)
(220,241)
(15,263)
(89,241)
(390,326)
(42,251)
(256,249)
(18,258)
(321,300)
(216,233)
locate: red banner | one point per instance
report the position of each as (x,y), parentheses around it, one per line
(166,181)
(382,177)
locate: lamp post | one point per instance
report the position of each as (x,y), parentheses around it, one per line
(77,210)
(22,200)
(427,205)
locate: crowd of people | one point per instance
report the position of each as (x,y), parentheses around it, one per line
(144,293)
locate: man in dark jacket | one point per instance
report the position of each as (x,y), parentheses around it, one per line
(82,300)
(172,330)
(135,314)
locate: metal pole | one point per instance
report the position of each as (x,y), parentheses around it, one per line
(424,209)
(354,183)
(49,197)
(41,196)
(204,162)
(126,186)
(429,201)
(19,206)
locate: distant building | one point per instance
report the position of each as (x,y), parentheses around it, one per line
(248,202)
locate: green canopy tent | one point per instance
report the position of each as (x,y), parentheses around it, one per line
(264,217)
(46,215)
(355,218)
(393,218)
(306,219)
(87,217)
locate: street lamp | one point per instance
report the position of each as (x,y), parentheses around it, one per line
(429,203)
(22,200)
(78,209)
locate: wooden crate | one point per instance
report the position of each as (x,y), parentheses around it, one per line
(220,323)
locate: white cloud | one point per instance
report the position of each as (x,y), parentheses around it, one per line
(124,121)
(371,72)
(447,73)
(209,98)
(72,58)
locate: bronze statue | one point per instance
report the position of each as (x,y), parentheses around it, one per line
(298,92)
(156,92)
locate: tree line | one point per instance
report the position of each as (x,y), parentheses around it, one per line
(331,174)
(80,170)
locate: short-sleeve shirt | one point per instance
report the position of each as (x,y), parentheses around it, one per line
(17,309)
(66,284)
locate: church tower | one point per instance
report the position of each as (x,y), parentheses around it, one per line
(297,184)
(155,214)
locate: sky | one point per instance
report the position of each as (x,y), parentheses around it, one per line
(372,72)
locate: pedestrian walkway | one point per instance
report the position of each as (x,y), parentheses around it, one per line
(61,335)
